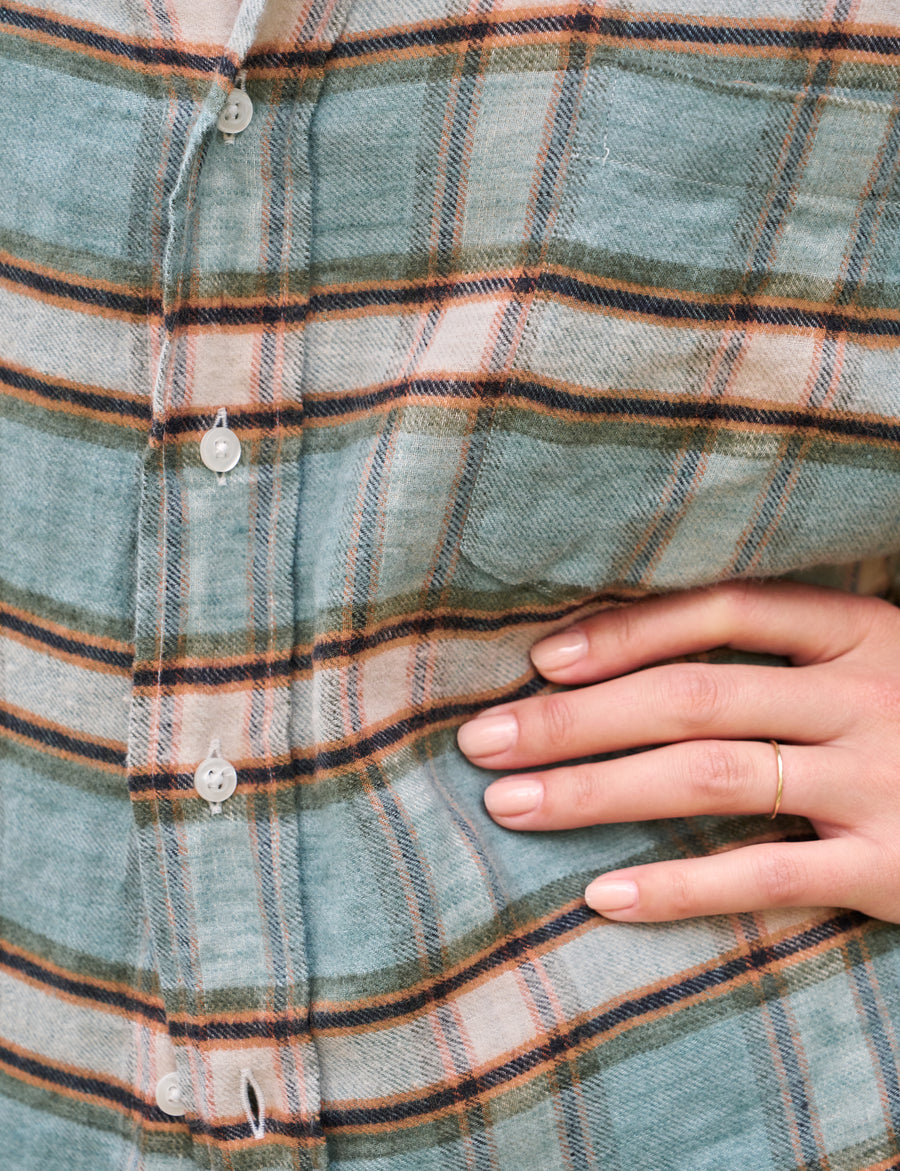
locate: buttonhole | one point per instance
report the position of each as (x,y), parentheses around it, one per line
(254,1106)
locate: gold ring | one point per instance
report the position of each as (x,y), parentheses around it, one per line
(780,788)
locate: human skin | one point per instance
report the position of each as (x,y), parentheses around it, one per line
(835,713)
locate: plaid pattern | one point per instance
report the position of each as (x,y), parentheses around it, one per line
(517,311)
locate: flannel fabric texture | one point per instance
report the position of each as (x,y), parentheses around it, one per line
(517,311)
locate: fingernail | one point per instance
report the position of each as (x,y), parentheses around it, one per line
(513,795)
(488,735)
(611,894)
(560,650)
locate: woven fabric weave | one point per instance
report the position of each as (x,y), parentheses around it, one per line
(518,311)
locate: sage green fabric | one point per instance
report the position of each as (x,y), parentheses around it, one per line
(518,312)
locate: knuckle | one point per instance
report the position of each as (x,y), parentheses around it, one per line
(558,721)
(717,777)
(625,630)
(871,615)
(736,601)
(583,791)
(735,606)
(882,697)
(680,895)
(781,877)
(883,866)
(694,693)
(866,619)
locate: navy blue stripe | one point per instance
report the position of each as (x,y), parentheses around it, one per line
(880,1030)
(62,740)
(659,32)
(293,61)
(775,500)
(81,1084)
(872,213)
(77,396)
(782,190)
(758,959)
(667,308)
(706,411)
(84,989)
(295,1023)
(139,52)
(343,301)
(134,304)
(660,532)
(82,650)
(563,1042)
(352,753)
(295,1128)
(115,1095)
(600,405)
(343,647)
(713,312)
(800,1106)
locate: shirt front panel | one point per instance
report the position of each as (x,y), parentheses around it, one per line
(474,396)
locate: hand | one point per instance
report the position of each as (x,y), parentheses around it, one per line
(835,713)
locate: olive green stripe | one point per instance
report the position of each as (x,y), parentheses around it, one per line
(520,916)
(642,1037)
(133,279)
(78,963)
(416,264)
(93,1116)
(130,436)
(64,772)
(121,74)
(74,619)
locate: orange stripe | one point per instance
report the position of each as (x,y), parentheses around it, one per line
(96,983)
(73,1071)
(504,39)
(69,45)
(100,641)
(433,290)
(723,990)
(81,661)
(135,414)
(28,717)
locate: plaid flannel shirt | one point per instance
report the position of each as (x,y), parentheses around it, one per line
(510,312)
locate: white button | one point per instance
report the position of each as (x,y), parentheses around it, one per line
(168,1095)
(220,449)
(215,779)
(237,114)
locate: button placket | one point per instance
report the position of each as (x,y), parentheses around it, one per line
(220,448)
(215,778)
(168,1095)
(238,112)
(211,536)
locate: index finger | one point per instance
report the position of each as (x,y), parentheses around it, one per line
(805,624)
